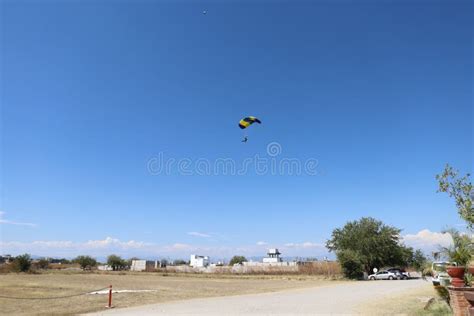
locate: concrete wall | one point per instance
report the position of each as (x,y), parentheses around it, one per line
(282,267)
(270,263)
(104,268)
(144,265)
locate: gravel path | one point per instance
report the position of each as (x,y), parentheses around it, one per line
(331,299)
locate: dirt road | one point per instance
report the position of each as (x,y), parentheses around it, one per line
(331,299)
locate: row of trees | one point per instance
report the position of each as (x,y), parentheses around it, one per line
(114,261)
(24,263)
(117,263)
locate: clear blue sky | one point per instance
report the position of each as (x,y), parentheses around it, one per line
(380,93)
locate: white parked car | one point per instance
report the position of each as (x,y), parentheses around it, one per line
(440,276)
(384,275)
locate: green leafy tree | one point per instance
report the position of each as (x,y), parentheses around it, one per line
(365,244)
(237,260)
(405,256)
(85,262)
(461,249)
(22,263)
(419,260)
(459,188)
(116,262)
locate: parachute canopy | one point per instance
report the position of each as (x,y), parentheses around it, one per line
(247,121)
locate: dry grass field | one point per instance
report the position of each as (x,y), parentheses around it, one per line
(169,287)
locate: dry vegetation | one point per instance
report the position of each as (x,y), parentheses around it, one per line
(410,303)
(169,287)
(331,270)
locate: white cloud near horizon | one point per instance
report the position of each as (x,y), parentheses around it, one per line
(306,244)
(64,248)
(179,246)
(109,245)
(427,241)
(198,234)
(10,222)
(114,242)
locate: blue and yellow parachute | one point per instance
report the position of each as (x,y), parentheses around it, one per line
(247,121)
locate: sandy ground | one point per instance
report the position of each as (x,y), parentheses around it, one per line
(151,287)
(329,299)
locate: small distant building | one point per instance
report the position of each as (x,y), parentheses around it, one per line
(104,267)
(273,256)
(197,261)
(6,259)
(144,265)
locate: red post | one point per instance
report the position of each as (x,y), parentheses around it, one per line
(110,297)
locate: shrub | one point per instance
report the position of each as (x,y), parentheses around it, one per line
(468,279)
(22,263)
(42,264)
(85,262)
(237,260)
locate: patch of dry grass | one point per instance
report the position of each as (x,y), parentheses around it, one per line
(410,303)
(329,269)
(169,287)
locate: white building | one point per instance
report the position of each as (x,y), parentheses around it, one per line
(104,267)
(273,256)
(144,265)
(197,261)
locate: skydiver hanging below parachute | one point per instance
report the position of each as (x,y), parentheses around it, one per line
(246,122)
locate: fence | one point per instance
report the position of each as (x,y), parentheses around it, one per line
(109,302)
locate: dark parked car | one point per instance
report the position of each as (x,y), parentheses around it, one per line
(402,274)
